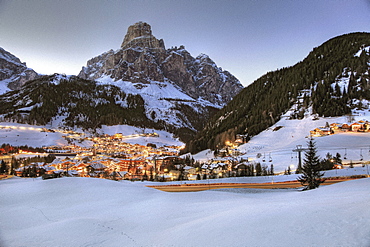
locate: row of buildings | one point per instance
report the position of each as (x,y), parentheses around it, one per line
(333,128)
(154,168)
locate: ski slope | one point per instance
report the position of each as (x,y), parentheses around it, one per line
(279,145)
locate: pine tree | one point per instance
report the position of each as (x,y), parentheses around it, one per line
(3,167)
(311,177)
(258,169)
(289,171)
(272,170)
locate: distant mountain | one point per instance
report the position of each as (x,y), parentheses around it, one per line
(13,73)
(143,60)
(141,84)
(331,80)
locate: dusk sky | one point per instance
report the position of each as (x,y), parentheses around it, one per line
(248,38)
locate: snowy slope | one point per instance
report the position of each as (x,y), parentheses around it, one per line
(96,212)
(164,137)
(163,100)
(279,144)
(23,134)
(33,136)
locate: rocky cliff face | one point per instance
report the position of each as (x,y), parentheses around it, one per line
(13,73)
(143,59)
(140,35)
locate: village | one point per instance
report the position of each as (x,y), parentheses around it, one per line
(111,157)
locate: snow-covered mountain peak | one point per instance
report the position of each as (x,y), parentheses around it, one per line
(144,59)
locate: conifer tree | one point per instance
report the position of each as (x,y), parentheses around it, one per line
(3,167)
(258,169)
(289,171)
(311,177)
(272,170)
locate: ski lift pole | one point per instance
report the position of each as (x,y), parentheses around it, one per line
(299,150)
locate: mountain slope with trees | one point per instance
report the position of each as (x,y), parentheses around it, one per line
(87,104)
(81,103)
(331,80)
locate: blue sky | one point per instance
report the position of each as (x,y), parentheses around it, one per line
(248,38)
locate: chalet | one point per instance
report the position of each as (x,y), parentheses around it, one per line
(128,165)
(219,169)
(241,169)
(241,138)
(174,174)
(315,133)
(164,176)
(335,127)
(190,170)
(345,127)
(95,169)
(321,131)
(124,175)
(235,152)
(168,162)
(338,166)
(204,168)
(34,170)
(80,168)
(366,127)
(223,152)
(355,127)
(361,125)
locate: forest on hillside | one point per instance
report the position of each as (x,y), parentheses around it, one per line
(83,103)
(315,81)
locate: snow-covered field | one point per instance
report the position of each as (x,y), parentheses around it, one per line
(24,134)
(97,212)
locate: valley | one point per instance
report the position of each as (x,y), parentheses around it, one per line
(90,159)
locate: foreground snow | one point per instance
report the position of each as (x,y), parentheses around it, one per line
(95,212)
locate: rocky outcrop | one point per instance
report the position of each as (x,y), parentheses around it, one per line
(14,73)
(140,35)
(143,58)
